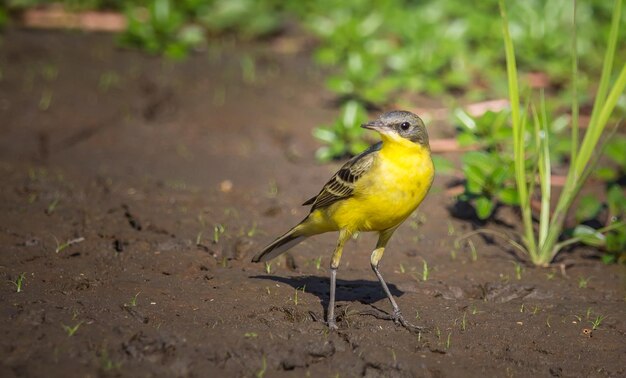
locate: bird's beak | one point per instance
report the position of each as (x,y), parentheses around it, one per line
(374,125)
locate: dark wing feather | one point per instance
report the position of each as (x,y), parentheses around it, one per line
(341,185)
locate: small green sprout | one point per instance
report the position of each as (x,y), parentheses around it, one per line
(217,231)
(518,270)
(597,321)
(464,322)
(583,282)
(19,282)
(68,243)
(425,271)
(295,296)
(474,253)
(268,267)
(133,300)
(451,229)
(46,100)
(106,362)
(250,335)
(199,238)
(253,230)
(261,372)
(402,270)
(318,262)
(248,69)
(448,340)
(52,206)
(272,191)
(71,330)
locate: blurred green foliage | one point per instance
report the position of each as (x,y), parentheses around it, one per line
(489,171)
(612,210)
(344,136)
(591,210)
(379,50)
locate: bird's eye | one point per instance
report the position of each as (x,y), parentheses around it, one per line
(405,126)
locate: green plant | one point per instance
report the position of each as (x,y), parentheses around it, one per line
(345,135)
(133,300)
(597,321)
(425,271)
(71,330)
(62,246)
(261,372)
(489,172)
(246,18)
(614,151)
(19,282)
(543,245)
(381,51)
(218,230)
(611,237)
(583,282)
(106,362)
(488,181)
(295,295)
(519,269)
(161,27)
(318,262)
(4,16)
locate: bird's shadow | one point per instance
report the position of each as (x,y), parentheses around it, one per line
(364,291)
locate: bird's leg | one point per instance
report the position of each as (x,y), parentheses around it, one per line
(375,258)
(334,264)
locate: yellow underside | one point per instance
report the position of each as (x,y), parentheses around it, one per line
(385,196)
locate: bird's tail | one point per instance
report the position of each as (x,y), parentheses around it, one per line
(280,245)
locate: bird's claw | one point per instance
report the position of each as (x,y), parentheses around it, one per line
(399,319)
(332,326)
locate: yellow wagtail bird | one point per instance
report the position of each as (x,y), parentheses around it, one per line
(374,191)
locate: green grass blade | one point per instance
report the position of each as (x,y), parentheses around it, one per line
(518,135)
(597,127)
(575,107)
(607,66)
(580,168)
(545,174)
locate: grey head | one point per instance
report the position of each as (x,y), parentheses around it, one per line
(402,123)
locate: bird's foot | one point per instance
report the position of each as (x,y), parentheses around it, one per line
(332,326)
(399,319)
(396,317)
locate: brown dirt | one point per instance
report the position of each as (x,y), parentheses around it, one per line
(142,158)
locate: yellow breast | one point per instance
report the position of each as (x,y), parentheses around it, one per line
(393,188)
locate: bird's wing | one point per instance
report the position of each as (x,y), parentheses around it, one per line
(341,185)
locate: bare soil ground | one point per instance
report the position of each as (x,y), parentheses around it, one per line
(165,178)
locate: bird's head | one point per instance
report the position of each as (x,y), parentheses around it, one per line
(401,127)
